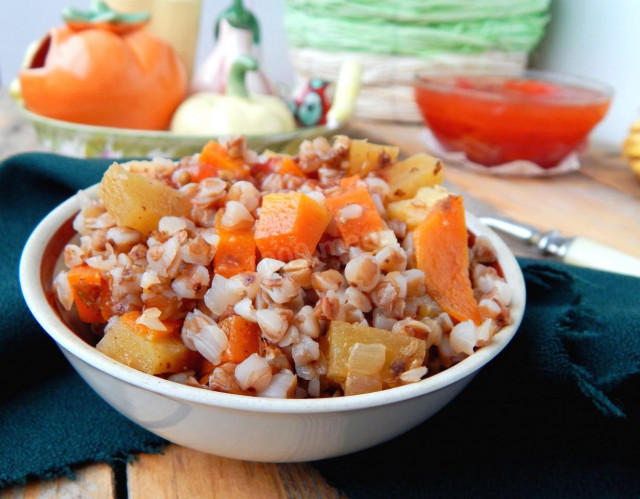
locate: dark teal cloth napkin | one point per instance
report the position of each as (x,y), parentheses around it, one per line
(555,415)
(50,420)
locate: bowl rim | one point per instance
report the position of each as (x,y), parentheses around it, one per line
(67,340)
(430,79)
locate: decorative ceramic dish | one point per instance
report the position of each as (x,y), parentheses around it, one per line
(88,141)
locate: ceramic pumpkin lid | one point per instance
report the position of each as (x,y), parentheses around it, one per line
(104,68)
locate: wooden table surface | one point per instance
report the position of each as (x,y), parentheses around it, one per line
(600,201)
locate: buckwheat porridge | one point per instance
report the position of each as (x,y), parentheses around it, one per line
(337,271)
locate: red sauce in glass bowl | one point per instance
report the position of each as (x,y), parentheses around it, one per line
(539,117)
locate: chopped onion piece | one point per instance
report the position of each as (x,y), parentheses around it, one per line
(63,289)
(366,358)
(151,319)
(314,387)
(413,375)
(283,385)
(184,378)
(357,384)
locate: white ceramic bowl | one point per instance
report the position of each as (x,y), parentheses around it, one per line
(242,427)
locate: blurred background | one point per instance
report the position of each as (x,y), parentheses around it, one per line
(589,38)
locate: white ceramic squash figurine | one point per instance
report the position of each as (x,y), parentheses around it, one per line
(235,112)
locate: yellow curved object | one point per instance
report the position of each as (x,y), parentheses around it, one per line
(346,93)
(631,148)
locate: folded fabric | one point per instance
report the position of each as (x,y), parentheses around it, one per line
(556,414)
(50,419)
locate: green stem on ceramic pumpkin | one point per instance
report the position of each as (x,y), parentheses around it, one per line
(236,85)
(100,12)
(239,17)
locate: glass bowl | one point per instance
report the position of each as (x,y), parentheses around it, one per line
(495,118)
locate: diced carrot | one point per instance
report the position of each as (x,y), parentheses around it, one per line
(201,171)
(289,166)
(217,156)
(86,285)
(278,163)
(129,319)
(350,183)
(290,226)
(441,251)
(106,301)
(244,338)
(353,223)
(236,252)
(85,278)
(168,304)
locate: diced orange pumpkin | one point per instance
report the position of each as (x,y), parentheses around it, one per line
(200,171)
(289,166)
(129,319)
(278,163)
(244,338)
(290,226)
(217,156)
(87,287)
(350,183)
(441,251)
(236,252)
(105,301)
(353,229)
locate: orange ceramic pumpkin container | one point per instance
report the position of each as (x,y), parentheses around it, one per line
(108,74)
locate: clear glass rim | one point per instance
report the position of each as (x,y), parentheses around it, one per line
(432,79)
